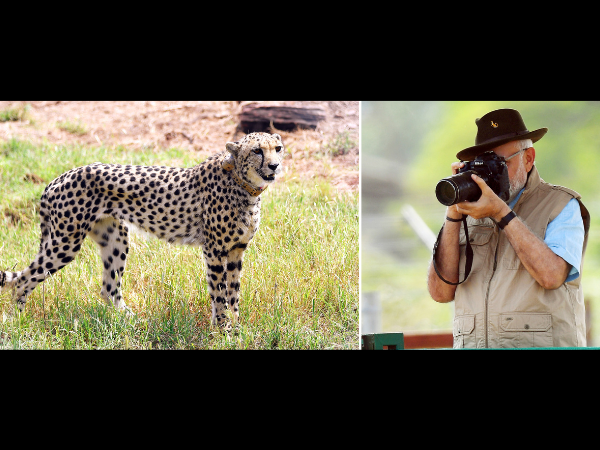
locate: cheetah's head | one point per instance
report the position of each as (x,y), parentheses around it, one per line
(258,157)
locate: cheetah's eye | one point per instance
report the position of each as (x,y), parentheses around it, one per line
(258,150)
(278,148)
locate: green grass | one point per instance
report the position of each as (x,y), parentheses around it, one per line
(341,144)
(77,128)
(15,113)
(299,286)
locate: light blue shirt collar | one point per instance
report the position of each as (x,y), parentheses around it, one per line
(512,204)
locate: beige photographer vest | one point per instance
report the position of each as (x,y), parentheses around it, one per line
(501,305)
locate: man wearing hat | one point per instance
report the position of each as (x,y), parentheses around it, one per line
(524,286)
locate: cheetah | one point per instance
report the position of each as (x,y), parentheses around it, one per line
(215,205)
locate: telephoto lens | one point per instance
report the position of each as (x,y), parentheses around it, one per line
(458,188)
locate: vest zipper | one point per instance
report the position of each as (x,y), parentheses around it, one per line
(487,295)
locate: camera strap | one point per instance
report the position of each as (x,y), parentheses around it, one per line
(469,252)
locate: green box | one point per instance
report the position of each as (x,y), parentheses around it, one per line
(383,341)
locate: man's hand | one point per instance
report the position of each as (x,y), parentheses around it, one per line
(488,205)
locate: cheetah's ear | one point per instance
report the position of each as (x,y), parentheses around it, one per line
(233,147)
(276,136)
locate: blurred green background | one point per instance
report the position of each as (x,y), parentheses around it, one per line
(408,146)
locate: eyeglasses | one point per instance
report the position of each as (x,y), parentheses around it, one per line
(515,154)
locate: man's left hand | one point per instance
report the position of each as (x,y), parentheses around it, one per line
(488,205)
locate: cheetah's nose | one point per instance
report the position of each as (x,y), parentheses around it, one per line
(273,166)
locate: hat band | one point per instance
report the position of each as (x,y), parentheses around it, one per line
(504,136)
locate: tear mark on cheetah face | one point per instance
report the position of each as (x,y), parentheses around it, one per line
(258,158)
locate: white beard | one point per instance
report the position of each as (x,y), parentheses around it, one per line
(518,182)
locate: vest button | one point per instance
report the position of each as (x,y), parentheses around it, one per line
(526,326)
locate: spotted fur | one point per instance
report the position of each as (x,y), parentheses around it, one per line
(214,205)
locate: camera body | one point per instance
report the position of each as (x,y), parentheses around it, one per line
(461,187)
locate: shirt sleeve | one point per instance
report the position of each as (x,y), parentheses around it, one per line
(564,236)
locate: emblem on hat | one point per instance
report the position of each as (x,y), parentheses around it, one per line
(495,125)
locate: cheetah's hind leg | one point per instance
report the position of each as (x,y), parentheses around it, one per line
(112,238)
(8,280)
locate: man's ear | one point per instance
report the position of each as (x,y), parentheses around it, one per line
(529,158)
(233,147)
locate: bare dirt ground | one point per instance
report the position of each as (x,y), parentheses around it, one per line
(200,127)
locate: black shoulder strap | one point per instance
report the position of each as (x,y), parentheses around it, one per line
(469,254)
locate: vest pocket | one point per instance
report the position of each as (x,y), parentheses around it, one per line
(479,237)
(462,329)
(520,329)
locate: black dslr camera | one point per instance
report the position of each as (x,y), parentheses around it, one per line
(460,187)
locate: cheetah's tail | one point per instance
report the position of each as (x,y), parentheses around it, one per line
(8,279)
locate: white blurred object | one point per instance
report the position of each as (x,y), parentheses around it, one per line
(370,313)
(411,216)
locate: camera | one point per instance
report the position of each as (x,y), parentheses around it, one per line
(461,187)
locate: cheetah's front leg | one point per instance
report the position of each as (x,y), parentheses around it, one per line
(234,271)
(216,278)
